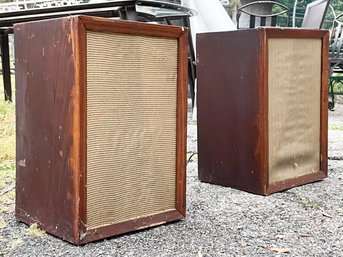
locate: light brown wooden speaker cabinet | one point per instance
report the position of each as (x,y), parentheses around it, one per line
(262,108)
(101,125)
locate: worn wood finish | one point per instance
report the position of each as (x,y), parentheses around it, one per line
(229,117)
(51,125)
(129,27)
(233,109)
(289,183)
(124,227)
(295,33)
(181,137)
(324,106)
(46,104)
(263,71)
(80,57)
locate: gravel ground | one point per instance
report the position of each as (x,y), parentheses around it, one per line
(303,221)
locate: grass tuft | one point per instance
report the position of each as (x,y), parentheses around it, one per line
(338,87)
(7,158)
(7,174)
(3,224)
(308,204)
(7,131)
(35,231)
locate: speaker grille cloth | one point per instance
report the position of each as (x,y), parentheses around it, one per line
(294,85)
(131,127)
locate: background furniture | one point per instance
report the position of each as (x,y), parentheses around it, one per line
(262,123)
(315,14)
(143,10)
(5,60)
(261,18)
(336,57)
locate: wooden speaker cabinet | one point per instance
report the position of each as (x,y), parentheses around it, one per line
(262,108)
(101,125)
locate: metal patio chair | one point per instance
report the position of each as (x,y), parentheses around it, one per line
(315,13)
(336,57)
(262,13)
(142,10)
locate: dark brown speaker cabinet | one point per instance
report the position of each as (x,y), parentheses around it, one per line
(262,108)
(101,125)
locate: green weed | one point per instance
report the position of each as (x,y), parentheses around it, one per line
(7,131)
(308,204)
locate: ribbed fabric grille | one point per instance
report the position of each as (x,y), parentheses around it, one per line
(131,127)
(294,85)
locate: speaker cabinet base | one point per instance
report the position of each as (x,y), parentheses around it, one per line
(101,125)
(262,108)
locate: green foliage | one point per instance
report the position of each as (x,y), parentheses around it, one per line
(338,88)
(7,175)
(282,20)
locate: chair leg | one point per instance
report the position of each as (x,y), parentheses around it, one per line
(191,62)
(191,78)
(332,103)
(6,73)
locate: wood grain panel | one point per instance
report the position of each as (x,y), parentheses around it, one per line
(45,103)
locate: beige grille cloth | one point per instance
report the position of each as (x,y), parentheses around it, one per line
(131,127)
(294,81)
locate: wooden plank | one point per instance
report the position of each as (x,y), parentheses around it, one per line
(46,104)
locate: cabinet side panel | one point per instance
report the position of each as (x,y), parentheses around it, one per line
(230,134)
(294,91)
(44,116)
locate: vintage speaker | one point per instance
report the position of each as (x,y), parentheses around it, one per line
(262,108)
(101,125)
